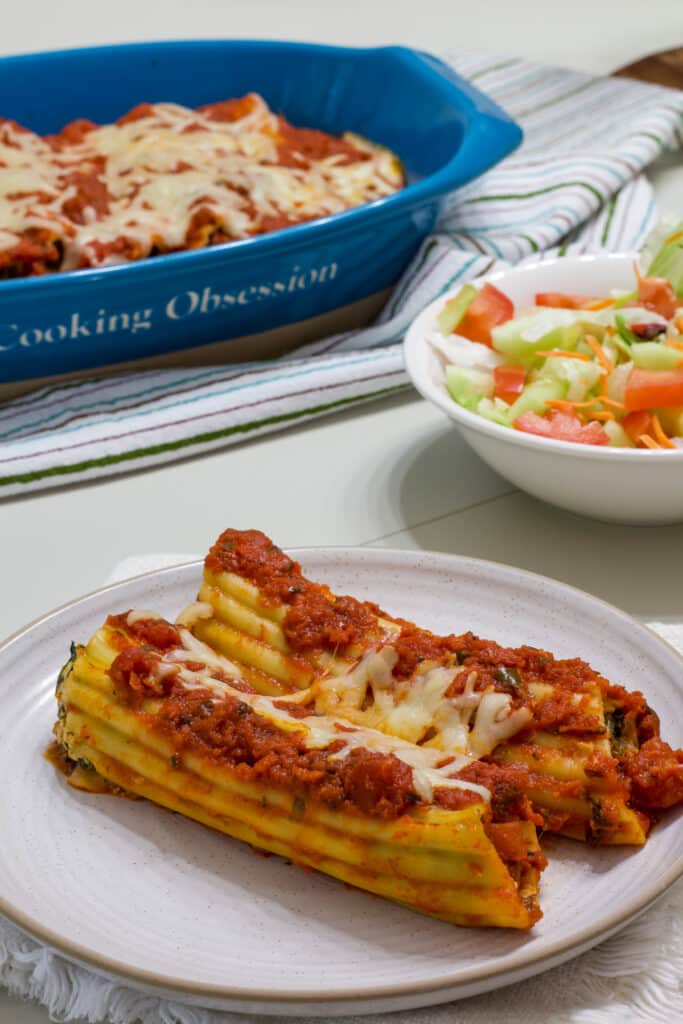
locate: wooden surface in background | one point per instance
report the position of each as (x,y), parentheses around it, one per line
(663,68)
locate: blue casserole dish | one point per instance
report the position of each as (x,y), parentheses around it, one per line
(445,132)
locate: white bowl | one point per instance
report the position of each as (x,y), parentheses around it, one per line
(620,485)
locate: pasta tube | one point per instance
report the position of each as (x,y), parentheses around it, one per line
(147,709)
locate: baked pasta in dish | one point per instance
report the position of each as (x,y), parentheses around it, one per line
(166,178)
(147,708)
(419,767)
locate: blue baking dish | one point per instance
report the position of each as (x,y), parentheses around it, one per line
(445,132)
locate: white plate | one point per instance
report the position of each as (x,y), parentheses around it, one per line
(621,485)
(132,890)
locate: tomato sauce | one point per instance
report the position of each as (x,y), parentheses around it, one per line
(415,646)
(71,134)
(153,632)
(299,147)
(656,775)
(315,617)
(537,665)
(91,194)
(37,253)
(510,843)
(134,672)
(230,110)
(229,732)
(559,713)
(509,784)
(136,114)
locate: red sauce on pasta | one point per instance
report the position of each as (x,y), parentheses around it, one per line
(153,632)
(315,617)
(656,775)
(229,732)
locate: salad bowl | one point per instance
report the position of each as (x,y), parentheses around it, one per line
(630,485)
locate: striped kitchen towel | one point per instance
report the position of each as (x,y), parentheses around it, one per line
(574,185)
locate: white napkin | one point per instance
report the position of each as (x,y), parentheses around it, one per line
(636,977)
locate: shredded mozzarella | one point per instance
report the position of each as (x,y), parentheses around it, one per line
(159,170)
(429,771)
(193,612)
(140,614)
(470,724)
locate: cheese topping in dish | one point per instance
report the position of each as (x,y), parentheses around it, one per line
(166,178)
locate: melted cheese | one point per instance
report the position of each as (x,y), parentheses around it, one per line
(160,169)
(194,650)
(471,724)
(141,615)
(193,612)
(429,771)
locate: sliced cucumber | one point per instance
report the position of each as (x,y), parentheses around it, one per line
(536,396)
(668,261)
(493,409)
(672,420)
(618,438)
(651,355)
(468,386)
(579,375)
(520,340)
(455,309)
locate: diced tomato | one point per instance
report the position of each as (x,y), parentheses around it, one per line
(637,423)
(490,308)
(650,389)
(562,426)
(560,301)
(658,294)
(508,382)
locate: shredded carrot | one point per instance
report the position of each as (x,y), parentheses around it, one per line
(604,416)
(600,353)
(648,441)
(674,238)
(565,403)
(603,385)
(659,433)
(597,304)
(672,343)
(678,323)
(571,405)
(560,352)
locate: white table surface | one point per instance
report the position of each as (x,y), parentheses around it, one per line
(394,473)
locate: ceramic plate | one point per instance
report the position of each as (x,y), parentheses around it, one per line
(134,891)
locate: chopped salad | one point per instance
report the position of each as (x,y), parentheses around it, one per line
(592,369)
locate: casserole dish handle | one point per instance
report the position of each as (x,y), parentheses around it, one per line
(489,133)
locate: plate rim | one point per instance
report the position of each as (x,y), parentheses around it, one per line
(275,1000)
